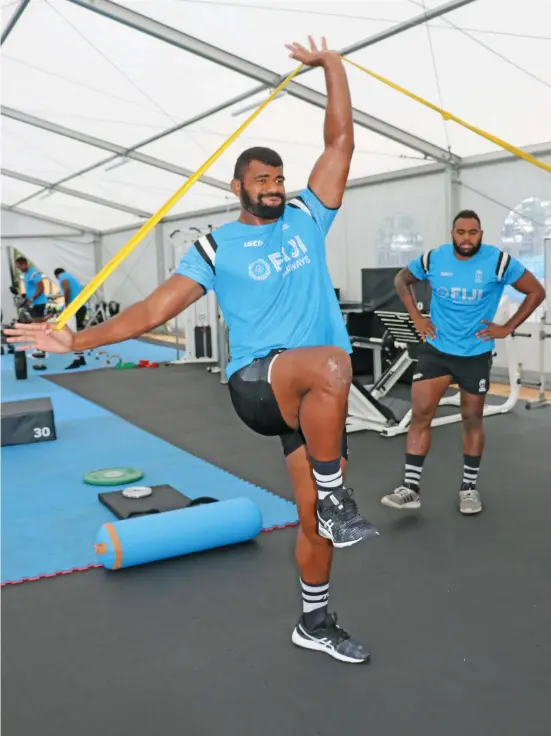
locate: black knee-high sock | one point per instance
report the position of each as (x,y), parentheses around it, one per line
(328,476)
(471,467)
(413,470)
(314,603)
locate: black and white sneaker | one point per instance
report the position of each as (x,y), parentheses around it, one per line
(340,521)
(77,363)
(330,639)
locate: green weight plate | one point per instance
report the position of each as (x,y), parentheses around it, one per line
(113,476)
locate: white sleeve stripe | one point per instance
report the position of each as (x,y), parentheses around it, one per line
(208,249)
(502,265)
(296,202)
(425,261)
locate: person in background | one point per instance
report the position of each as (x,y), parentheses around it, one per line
(71,288)
(467,278)
(34,289)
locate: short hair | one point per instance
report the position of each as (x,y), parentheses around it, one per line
(468,215)
(21,260)
(57,272)
(257,153)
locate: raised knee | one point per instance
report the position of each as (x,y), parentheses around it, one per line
(336,369)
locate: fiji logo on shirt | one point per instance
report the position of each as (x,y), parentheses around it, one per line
(259,270)
(460,294)
(289,258)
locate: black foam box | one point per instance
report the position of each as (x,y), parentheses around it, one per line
(164,498)
(28,421)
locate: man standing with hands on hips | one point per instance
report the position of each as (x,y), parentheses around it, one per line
(467,278)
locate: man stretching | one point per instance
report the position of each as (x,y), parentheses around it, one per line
(290,369)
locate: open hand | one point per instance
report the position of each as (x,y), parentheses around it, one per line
(40,336)
(313,58)
(493,331)
(425,327)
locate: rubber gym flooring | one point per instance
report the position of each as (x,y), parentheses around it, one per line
(456,611)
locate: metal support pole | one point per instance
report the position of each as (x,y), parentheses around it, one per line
(452,178)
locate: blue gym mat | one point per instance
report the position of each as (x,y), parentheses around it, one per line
(50,517)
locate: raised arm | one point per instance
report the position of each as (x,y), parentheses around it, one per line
(330,173)
(164,303)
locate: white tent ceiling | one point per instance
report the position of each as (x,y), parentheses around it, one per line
(80,88)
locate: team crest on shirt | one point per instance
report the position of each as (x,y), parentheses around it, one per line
(478,277)
(259,269)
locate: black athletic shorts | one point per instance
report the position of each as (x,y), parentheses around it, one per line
(472,373)
(255,403)
(37,311)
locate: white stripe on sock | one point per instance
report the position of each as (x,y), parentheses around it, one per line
(327,477)
(314,589)
(329,484)
(314,597)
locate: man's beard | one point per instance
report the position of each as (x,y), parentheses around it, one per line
(465,254)
(258,209)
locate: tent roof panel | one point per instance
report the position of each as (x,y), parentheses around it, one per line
(74,210)
(291,127)
(14,190)
(37,152)
(77,68)
(258,32)
(84,71)
(141,186)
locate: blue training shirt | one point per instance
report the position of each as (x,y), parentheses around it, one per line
(465,292)
(272,282)
(32,279)
(75,287)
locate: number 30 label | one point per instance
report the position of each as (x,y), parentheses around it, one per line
(42,432)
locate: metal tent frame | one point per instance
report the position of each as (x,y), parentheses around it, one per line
(444,161)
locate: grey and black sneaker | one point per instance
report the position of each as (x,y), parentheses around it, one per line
(330,639)
(469,500)
(340,521)
(402,498)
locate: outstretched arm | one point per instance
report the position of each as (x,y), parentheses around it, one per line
(164,303)
(330,173)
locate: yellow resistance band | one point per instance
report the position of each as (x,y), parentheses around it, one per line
(448,116)
(147,227)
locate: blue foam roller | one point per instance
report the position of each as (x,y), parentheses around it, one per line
(152,537)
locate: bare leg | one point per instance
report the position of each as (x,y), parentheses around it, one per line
(316,629)
(472,412)
(313,553)
(311,388)
(425,397)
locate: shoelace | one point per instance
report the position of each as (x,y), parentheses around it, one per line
(468,495)
(407,495)
(348,505)
(340,634)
